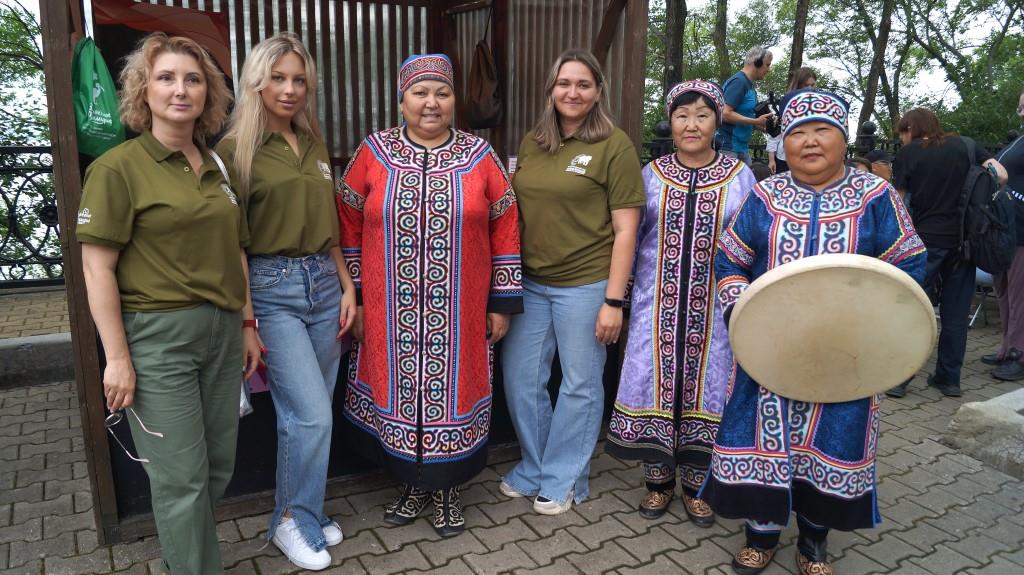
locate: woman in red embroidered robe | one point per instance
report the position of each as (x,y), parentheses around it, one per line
(430,234)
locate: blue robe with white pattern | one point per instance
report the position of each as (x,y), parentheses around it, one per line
(774,455)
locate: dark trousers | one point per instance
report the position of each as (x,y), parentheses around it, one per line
(950,281)
(1009,288)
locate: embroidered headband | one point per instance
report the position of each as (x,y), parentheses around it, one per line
(805,106)
(420,67)
(702,87)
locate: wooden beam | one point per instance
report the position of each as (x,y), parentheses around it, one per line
(467,7)
(609,24)
(635,57)
(56,32)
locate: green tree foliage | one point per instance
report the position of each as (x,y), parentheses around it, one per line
(23,118)
(755,26)
(977,46)
(987,73)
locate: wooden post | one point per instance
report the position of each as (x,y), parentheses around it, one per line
(56,32)
(635,56)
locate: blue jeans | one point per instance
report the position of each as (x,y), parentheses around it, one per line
(297,302)
(556,442)
(954,280)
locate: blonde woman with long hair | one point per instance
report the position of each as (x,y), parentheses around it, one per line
(579,190)
(303,297)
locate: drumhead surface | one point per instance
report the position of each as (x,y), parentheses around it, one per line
(831,328)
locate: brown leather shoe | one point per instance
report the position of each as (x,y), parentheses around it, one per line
(655,504)
(751,560)
(698,511)
(808,567)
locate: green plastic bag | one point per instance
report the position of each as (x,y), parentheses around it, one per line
(95,99)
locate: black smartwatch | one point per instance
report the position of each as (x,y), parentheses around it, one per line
(619,303)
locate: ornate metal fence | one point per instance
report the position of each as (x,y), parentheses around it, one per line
(30,253)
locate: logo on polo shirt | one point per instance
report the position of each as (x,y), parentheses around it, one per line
(84,216)
(579,164)
(231,195)
(325,170)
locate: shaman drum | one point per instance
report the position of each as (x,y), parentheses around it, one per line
(831,328)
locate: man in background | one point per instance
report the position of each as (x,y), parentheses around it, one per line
(733,137)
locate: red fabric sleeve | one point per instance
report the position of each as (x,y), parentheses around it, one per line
(351,199)
(506,295)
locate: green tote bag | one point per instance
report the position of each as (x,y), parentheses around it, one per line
(95,99)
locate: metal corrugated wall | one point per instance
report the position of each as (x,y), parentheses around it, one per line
(538,31)
(360,45)
(358,48)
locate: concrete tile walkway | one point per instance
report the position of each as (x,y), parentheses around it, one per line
(33,313)
(943,512)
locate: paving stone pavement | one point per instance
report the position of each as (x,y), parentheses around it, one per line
(943,512)
(33,313)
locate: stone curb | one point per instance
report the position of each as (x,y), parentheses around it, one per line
(36,359)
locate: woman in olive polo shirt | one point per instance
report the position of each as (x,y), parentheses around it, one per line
(286,190)
(579,190)
(161,234)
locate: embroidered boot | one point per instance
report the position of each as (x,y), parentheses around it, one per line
(407,507)
(655,504)
(812,556)
(751,560)
(698,511)
(448,519)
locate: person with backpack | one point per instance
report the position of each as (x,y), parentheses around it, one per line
(1009,285)
(932,167)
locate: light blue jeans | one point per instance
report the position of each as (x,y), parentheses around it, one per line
(556,442)
(297,302)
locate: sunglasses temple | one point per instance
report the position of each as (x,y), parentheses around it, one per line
(143,425)
(126,452)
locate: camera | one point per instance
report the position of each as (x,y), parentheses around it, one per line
(773,126)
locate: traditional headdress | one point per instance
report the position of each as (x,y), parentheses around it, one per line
(420,67)
(703,87)
(804,106)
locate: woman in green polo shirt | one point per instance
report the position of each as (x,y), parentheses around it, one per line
(286,189)
(579,190)
(161,234)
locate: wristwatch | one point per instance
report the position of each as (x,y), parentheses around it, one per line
(253,323)
(619,303)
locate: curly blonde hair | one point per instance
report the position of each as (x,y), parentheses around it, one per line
(134,78)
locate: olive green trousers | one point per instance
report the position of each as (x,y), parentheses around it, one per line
(188,368)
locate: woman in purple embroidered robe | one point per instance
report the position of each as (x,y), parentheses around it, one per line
(678,365)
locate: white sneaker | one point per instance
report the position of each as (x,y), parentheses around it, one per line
(545,506)
(509,491)
(333,534)
(290,541)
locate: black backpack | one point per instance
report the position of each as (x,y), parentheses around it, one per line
(988,235)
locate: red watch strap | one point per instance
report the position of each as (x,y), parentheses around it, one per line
(255,324)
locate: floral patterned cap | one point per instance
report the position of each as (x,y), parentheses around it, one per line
(703,87)
(420,67)
(804,106)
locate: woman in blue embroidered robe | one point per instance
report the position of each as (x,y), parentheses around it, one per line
(772,455)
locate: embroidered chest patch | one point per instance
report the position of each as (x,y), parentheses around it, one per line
(579,164)
(325,170)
